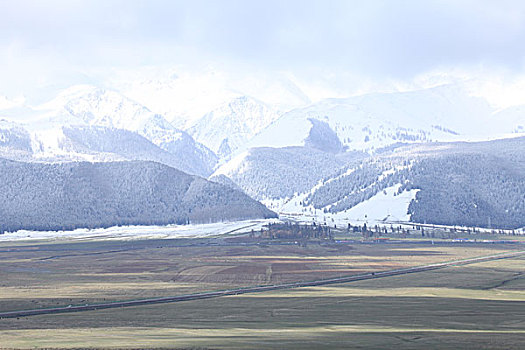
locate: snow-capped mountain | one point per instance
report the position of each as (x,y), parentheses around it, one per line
(87,108)
(331,179)
(333,157)
(184,97)
(90,105)
(230,126)
(377,120)
(337,126)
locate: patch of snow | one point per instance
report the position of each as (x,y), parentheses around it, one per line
(140,232)
(48,141)
(236,165)
(385,206)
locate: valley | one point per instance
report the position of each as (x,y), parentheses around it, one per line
(44,274)
(204,175)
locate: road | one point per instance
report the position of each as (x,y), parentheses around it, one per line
(255,289)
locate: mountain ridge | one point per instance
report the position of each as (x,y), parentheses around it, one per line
(37,196)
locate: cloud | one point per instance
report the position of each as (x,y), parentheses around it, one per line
(364,39)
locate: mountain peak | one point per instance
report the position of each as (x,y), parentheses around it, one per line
(233,123)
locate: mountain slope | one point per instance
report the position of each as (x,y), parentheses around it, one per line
(274,173)
(13,137)
(372,121)
(228,127)
(72,195)
(184,97)
(127,145)
(512,116)
(91,106)
(472,184)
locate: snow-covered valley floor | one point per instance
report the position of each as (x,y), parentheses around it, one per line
(140,232)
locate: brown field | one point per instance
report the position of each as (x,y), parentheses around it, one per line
(478,305)
(42,275)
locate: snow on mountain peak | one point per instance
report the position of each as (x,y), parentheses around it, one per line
(95,106)
(372,121)
(232,124)
(183,96)
(237,165)
(92,112)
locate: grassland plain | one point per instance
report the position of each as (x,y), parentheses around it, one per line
(475,306)
(71,273)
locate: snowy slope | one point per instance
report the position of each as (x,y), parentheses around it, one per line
(470,184)
(385,206)
(184,96)
(230,126)
(87,107)
(372,121)
(513,117)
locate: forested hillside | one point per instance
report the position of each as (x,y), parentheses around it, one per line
(473,184)
(72,195)
(282,172)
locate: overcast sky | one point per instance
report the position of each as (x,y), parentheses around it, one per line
(377,40)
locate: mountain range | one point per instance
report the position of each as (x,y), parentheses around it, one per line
(331,157)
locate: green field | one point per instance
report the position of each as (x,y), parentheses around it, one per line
(469,307)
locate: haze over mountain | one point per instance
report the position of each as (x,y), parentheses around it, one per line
(183,96)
